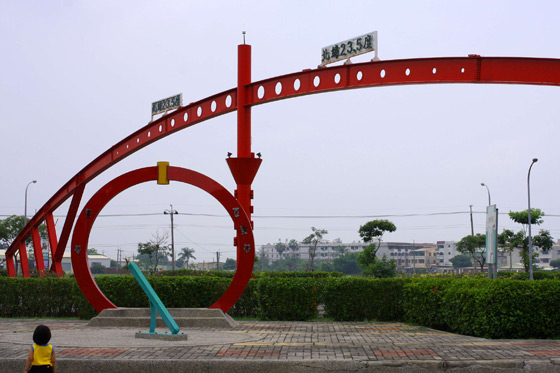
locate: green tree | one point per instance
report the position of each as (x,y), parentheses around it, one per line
(555,263)
(375,229)
(313,240)
(367,256)
(542,241)
(382,268)
(230,264)
(340,250)
(184,255)
(347,263)
(522,217)
(280,248)
(97,268)
(509,241)
(326,266)
(92,251)
(293,246)
(156,249)
(11,226)
(461,261)
(474,246)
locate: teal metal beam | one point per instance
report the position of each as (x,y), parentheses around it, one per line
(156,305)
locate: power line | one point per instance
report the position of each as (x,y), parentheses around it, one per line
(304,216)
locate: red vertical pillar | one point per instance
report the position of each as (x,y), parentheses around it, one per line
(244,122)
(243,99)
(51,232)
(38,251)
(23,259)
(245,166)
(11,266)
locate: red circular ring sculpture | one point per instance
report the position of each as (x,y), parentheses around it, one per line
(80,238)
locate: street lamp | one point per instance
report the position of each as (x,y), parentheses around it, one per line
(25,215)
(484,185)
(529,219)
(172,212)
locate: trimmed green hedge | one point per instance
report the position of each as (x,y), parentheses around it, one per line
(504,309)
(38,297)
(473,306)
(288,299)
(423,301)
(359,299)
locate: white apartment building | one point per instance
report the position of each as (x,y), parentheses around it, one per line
(407,255)
(401,252)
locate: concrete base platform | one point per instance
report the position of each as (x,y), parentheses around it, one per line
(184,317)
(162,336)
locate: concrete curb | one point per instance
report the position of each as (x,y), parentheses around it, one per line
(234,366)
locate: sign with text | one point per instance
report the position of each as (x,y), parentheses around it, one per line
(491,234)
(169,103)
(349,48)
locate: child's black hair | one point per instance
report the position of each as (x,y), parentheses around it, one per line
(42,335)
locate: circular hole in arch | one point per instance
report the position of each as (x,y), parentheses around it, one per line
(278,88)
(337,78)
(260,92)
(186,117)
(160,128)
(463,70)
(434,70)
(172,122)
(297,84)
(382,73)
(117,152)
(127,146)
(316,81)
(359,75)
(199,111)
(213,106)
(228,101)
(407,72)
(138,140)
(149,134)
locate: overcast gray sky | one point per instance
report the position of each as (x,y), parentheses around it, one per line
(79,76)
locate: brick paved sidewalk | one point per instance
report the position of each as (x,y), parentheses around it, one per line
(278,346)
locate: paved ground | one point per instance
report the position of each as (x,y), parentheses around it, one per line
(276,347)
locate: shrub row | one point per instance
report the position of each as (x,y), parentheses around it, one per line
(33,297)
(256,274)
(479,307)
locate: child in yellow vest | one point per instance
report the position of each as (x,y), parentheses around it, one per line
(41,356)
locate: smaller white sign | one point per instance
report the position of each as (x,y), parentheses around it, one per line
(349,48)
(491,234)
(166,104)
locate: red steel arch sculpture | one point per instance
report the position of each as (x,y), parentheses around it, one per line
(472,69)
(245,244)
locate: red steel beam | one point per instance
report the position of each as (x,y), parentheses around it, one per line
(473,69)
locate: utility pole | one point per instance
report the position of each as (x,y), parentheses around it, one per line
(472,228)
(172,212)
(217,260)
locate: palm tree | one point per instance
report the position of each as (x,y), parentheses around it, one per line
(186,254)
